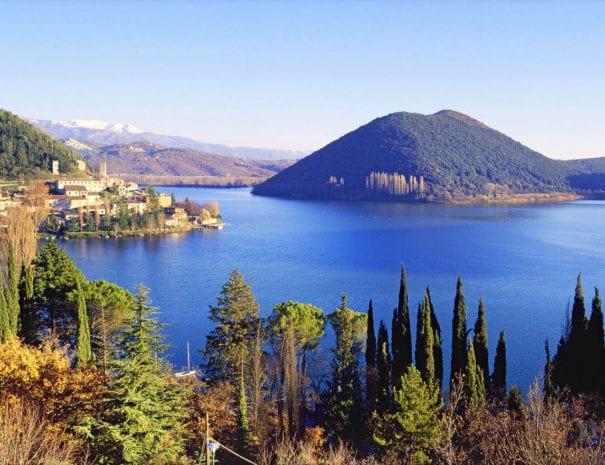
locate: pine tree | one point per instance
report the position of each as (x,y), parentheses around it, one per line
(458,333)
(402,332)
(515,403)
(145,416)
(344,400)
(480,344)
(383,392)
(499,374)
(236,318)
(411,430)
(83,346)
(437,350)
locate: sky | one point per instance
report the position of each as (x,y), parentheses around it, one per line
(299,74)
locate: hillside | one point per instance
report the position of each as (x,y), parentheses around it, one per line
(101,133)
(175,165)
(406,156)
(27,151)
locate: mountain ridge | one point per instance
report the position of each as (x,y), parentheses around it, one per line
(104,133)
(446,156)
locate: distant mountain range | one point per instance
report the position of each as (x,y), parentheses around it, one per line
(447,156)
(100,133)
(151,163)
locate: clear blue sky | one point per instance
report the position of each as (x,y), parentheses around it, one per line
(299,74)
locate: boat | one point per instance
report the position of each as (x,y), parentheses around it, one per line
(189,371)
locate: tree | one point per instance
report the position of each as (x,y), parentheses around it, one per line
(12,290)
(579,362)
(402,332)
(295,329)
(344,400)
(596,347)
(243,428)
(437,350)
(425,362)
(83,347)
(236,318)
(370,355)
(109,308)
(480,344)
(410,432)
(473,379)
(5,328)
(56,276)
(144,418)
(458,333)
(383,366)
(499,374)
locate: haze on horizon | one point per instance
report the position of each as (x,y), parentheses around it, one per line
(297,75)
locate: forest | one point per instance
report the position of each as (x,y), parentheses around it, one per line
(84,379)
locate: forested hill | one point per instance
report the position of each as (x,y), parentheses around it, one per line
(406,156)
(27,151)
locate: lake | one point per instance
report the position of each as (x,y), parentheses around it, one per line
(523,260)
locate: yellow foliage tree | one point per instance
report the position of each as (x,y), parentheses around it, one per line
(44,377)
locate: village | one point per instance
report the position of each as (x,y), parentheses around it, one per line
(98,205)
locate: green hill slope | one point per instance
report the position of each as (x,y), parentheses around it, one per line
(27,151)
(407,156)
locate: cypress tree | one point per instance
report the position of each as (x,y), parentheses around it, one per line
(480,344)
(243,428)
(12,290)
(515,404)
(384,370)
(370,339)
(402,343)
(425,362)
(28,319)
(473,379)
(437,350)
(5,329)
(83,347)
(499,374)
(371,370)
(458,333)
(596,350)
(549,387)
(578,362)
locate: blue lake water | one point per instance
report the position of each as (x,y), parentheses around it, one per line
(523,260)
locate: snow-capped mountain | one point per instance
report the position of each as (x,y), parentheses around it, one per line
(97,133)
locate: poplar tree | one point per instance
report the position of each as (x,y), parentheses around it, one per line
(83,346)
(480,344)
(28,320)
(458,333)
(437,349)
(402,332)
(499,374)
(383,393)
